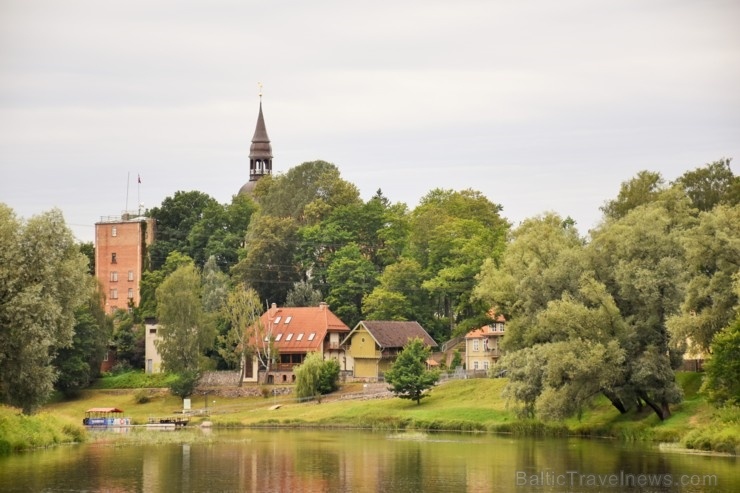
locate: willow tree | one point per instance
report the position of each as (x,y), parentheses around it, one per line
(43,279)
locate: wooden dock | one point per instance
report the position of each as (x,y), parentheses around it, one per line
(169,421)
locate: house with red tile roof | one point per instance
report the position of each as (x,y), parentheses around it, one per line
(293,332)
(482,346)
(373,345)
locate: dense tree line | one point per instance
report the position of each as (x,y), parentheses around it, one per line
(613,316)
(608,314)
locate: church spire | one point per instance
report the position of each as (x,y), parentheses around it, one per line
(260,152)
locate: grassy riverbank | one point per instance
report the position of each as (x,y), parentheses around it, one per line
(19,432)
(465,405)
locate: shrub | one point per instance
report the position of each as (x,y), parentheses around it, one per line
(121,367)
(142,397)
(185,383)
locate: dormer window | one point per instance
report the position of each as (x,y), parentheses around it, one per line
(311,336)
(279,336)
(289,337)
(288,319)
(277,320)
(300,337)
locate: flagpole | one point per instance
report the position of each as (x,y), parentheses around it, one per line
(138,192)
(128,180)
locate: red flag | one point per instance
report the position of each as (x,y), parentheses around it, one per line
(139,177)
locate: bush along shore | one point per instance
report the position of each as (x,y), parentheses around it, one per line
(473,405)
(20,432)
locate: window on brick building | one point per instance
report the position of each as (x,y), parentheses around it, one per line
(130,275)
(113,258)
(114,231)
(114,294)
(114,276)
(131,293)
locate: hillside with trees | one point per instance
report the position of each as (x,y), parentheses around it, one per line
(606,313)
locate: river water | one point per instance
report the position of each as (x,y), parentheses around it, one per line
(357,461)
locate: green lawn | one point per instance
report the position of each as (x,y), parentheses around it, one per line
(464,405)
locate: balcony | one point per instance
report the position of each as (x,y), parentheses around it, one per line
(493,352)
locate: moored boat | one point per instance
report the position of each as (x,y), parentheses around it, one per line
(105,417)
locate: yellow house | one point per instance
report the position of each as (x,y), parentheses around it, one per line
(482,346)
(373,345)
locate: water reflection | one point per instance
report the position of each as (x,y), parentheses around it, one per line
(307,461)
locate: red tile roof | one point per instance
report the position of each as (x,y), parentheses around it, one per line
(292,327)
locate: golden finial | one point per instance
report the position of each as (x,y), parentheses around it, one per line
(260,86)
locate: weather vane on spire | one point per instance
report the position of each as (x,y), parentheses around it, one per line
(259,84)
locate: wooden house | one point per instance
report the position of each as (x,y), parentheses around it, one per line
(373,345)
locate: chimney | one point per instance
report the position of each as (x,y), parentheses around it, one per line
(323,305)
(272,310)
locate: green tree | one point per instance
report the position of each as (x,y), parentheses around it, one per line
(308,375)
(215,287)
(88,249)
(42,282)
(268,265)
(376,227)
(129,339)
(245,336)
(79,364)
(185,383)
(451,234)
(456,360)
(544,259)
(722,381)
(151,280)
(220,232)
(399,296)
(329,376)
(712,253)
(307,193)
(350,277)
(640,190)
(641,260)
(303,294)
(175,219)
(711,185)
(547,287)
(409,377)
(185,333)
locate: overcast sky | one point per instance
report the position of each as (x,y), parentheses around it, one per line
(540,105)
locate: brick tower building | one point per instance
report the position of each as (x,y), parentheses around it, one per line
(120,253)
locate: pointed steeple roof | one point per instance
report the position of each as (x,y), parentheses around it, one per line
(260,148)
(260,154)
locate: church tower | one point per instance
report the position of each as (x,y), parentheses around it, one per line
(260,154)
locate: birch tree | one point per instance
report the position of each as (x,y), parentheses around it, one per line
(240,342)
